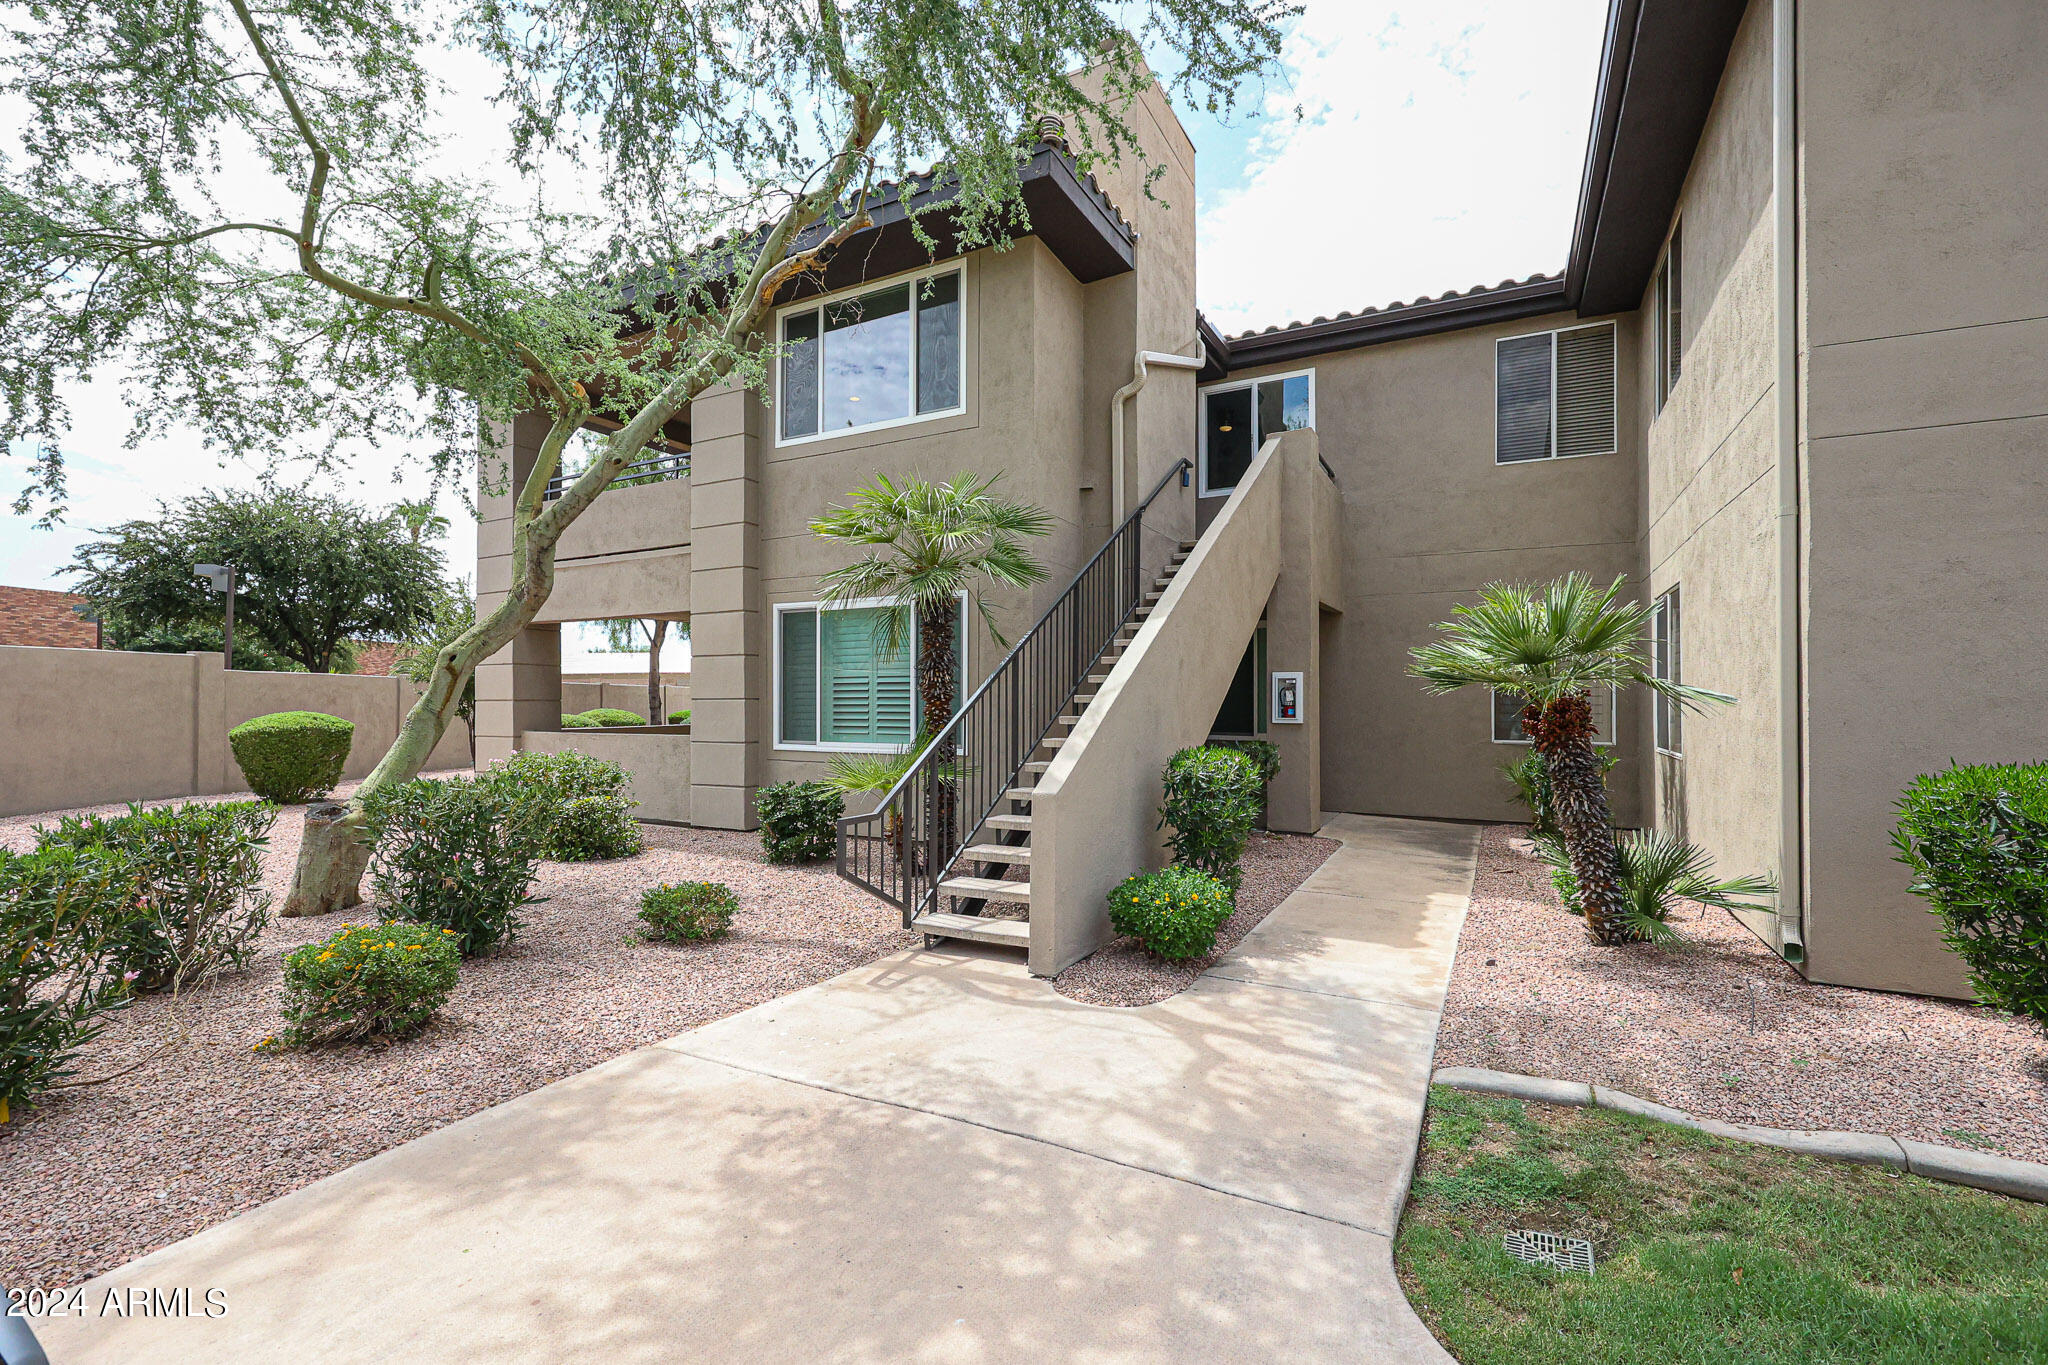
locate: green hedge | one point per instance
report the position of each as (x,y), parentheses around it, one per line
(1174,913)
(679,718)
(1976,839)
(292,757)
(573,805)
(600,716)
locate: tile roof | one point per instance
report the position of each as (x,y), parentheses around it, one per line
(1475,292)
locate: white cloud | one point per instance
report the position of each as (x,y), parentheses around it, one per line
(1438,147)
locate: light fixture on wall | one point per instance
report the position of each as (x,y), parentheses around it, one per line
(1226,427)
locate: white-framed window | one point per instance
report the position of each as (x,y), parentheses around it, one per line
(838,685)
(1507,718)
(1553,395)
(1665,660)
(889,355)
(1667,314)
(1238,417)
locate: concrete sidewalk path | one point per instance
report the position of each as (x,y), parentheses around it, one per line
(934,1157)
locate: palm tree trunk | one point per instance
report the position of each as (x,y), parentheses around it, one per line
(935,693)
(1563,732)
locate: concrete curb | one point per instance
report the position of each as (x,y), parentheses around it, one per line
(1955,1165)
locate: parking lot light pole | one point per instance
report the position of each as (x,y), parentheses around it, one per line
(222,579)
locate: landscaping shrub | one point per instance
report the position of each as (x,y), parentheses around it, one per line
(600,716)
(198,871)
(368,978)
(799,821)
(1213,797)
(679,717)
(292,757)
(1264,754)
(573,805)
(63,916)
(455,854)
(1174,913)
(1530,777)
(688,912)
(1976,839)
(1658,873)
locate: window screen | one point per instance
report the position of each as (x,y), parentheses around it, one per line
(1522,398)
(1554,395)
(1664,664)
(1507,717)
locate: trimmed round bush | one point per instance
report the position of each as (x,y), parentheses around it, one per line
(291,757)
(688,912)
(456,855)
(1976,839)
(1174,913)
(1213,799)
(367,979)
(799,821)
(679,717)
(573,805)
(599,716)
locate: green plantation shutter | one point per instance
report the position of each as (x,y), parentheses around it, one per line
(870,695)
(800,677)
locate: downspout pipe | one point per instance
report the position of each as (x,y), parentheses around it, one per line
(1140,372)
(1791,921)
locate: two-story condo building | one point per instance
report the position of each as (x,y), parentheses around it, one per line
(1789,382)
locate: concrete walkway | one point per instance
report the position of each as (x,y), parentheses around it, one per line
(934,1157)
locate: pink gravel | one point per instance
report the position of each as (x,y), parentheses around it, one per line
(96,1176)
(1123,973)
(1723,1028)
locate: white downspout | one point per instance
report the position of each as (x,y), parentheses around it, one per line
(1116,419)
(1784,187)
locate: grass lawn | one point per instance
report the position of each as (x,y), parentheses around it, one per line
(1707,1250)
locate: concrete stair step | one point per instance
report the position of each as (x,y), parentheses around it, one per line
(1014,932)
(997,853)
(1020,794)
(1008,822)
(986,888)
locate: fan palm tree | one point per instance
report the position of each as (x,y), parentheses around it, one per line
(927,543)
(1659,870)
(1550,647)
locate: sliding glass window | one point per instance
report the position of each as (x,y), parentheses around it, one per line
(888,356)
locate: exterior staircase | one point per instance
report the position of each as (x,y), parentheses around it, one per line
(989,883)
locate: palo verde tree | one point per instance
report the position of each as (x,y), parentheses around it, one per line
(1550,647)
(313,573)
(360,293)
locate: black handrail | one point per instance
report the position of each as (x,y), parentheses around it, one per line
(672,465)
(902,849)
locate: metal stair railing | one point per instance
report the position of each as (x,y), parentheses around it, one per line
(901,849)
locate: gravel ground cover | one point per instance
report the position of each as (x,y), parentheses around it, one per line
(1721,1027)
(1122,973)
(96,1176)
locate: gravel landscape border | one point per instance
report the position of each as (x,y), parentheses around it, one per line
(1953,1165)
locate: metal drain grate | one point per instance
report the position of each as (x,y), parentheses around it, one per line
(1547,1248)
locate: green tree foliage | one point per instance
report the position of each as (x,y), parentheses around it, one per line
(312,573)
(371,298)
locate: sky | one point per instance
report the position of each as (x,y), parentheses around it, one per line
(1403,150)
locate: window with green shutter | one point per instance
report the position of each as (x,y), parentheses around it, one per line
(840,686)
(799,677)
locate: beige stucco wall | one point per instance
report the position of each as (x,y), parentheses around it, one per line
(578,697)
(1925,439)
(1428,517)
(83,727)
(1710,492)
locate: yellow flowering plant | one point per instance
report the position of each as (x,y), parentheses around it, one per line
(367,979)
(1174,913)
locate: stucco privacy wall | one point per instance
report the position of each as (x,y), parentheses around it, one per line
(1710,481)
(1925,273)
(1096,819)
(85,727)
(659,765)
(1427,518)
(624,696)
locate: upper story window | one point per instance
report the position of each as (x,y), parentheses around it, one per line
(878,359)
(1507,718)
(1554,395)
(1666,314)
(1237,419)
(1664,664)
